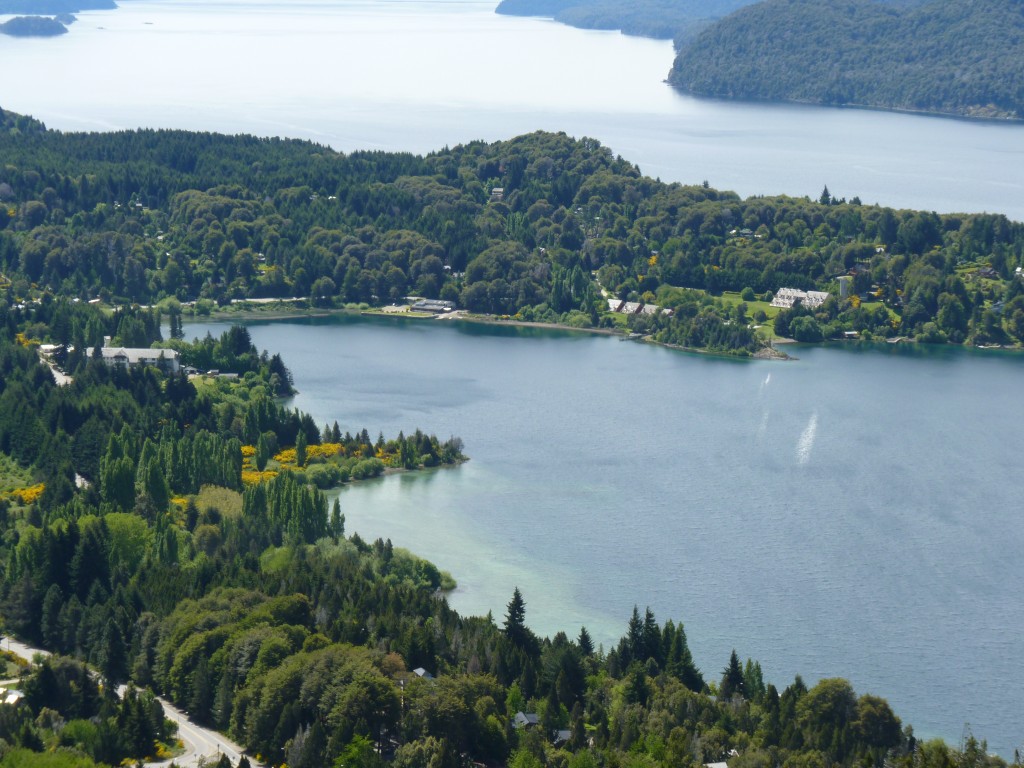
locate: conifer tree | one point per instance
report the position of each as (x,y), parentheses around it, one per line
(585,643)
(515,618)
(732,678)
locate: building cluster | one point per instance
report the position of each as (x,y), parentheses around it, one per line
(635,308)
(787,298)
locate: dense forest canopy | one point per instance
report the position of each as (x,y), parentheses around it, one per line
(540,227)
(952,58)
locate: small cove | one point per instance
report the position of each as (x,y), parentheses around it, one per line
(853,513)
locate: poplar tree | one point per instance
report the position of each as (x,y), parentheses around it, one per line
(262,453)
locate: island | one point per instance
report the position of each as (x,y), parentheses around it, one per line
(32,26)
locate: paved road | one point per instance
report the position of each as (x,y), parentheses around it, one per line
(59,376)
(198,742)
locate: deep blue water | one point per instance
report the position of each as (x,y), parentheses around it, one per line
(853,513)
(419,75)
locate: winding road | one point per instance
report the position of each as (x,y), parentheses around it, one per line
(200,744)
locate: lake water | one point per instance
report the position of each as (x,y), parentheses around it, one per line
(854,513)
(417,76)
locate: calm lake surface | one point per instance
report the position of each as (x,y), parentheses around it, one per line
(854,513)
(417,76)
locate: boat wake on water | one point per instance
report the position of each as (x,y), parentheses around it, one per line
(806,441)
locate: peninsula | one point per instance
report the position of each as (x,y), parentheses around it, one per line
(540,228)
(929,56)
(961,59)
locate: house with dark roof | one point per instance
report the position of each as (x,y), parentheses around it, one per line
(525,720)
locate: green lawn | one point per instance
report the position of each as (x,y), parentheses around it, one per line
(733,298)
(621,321)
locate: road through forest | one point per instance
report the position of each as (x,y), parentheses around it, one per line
(199,743)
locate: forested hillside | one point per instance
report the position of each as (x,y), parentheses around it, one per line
(172,217)
(951,58)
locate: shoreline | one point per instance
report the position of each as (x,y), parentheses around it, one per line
(770,352)
(960,116)
(280,313)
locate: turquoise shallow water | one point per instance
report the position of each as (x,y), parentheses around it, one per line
(853,513)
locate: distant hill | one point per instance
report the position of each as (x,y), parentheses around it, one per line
(32,26)
(678,20)
(955,58)
(50,7)
(14,124)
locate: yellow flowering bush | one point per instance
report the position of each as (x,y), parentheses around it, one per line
(248,451)
(24,341)
(252,477)
(325,450)
(287,456)
(30,494)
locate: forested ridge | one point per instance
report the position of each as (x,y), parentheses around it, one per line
(172,531)
(170,218)
(962,59)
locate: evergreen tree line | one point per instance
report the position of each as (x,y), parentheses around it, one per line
(177,217)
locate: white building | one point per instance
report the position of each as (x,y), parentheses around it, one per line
(787,298)
(131,357)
